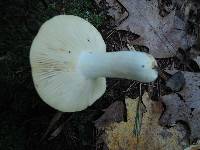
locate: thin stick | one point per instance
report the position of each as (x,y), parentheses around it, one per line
(113,31)
(53,121)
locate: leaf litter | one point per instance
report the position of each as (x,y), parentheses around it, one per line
(119,136)
(114,113)
(184,106)
(162,35)
(176,82)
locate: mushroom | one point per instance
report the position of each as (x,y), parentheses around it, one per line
(69,64)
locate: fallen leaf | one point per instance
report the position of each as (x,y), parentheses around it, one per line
(176,82)
(119,136)
(188,57)
(195,51)
(193,147)
(114,113)
(165,7)
(162,35)
(197,60)
(116,11)
(184,105)
(97,1)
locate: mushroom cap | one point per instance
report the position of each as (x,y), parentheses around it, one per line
(54,56)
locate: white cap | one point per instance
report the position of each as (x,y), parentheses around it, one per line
(54,57)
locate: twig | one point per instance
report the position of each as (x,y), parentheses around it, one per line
(53,121)
(129,88)
(113,31)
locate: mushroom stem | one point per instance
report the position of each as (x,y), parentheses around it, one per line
(124,64)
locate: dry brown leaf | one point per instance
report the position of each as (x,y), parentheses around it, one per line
(184,105)
(119,136)
(162,35)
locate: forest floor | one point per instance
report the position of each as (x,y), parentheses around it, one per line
(24,117)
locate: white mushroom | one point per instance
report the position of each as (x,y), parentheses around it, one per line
(69,64)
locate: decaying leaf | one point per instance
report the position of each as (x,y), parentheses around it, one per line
(176,82)
(193,147)
(195,50)
(114,113)
(197,60)
(184,105)
(165,7)
(116,11)
(162,35)
(119,136)
(97,1)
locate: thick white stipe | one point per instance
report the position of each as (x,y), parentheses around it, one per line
(124,64)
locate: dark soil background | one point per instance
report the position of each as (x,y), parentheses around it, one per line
(24,117)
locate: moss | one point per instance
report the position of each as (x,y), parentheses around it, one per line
(83,8)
